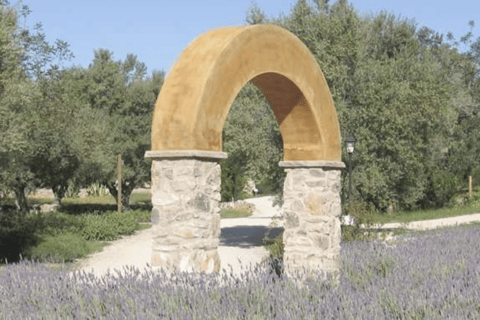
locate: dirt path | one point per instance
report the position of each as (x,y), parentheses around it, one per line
(240,244)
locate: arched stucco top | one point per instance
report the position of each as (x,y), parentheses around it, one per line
(196,97)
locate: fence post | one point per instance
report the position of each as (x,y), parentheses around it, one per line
(119,184)
(470,186)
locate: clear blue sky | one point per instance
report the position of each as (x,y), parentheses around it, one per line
(158,30)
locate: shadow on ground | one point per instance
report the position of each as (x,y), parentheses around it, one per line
(76,209)
(246,236)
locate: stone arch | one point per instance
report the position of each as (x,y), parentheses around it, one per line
(187,143)
(196,97)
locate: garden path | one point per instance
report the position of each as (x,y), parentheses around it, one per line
(240,244)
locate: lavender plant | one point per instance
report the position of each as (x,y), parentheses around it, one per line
(433,275)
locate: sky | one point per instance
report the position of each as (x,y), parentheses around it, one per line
(157,31)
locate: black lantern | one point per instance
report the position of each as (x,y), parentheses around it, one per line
(350,144)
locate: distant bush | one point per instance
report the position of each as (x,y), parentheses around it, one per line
(363,214)
(18,231)
(60,237)
(108,226)
(141,216)
(62,248)
(72,191)
(237,210)
(276,249)
(97,190)
(56,223)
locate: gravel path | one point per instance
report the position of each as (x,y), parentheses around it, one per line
(240,244)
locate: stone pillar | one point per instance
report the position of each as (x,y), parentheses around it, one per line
(185,215)
(312,208)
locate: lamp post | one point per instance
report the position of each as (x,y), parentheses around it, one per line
(350,144)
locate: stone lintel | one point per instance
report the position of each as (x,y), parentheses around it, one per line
(185,154)
(339,165)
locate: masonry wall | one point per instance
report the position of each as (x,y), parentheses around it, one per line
(185,215)
(312,228)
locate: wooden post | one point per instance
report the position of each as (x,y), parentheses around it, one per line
(119,184)
(470,186)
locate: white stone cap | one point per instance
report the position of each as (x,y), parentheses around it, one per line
(312,164)
(176,154)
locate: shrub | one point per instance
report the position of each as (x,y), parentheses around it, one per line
(72,191)
(17,233)
(108,226)
(141,215)
(364,215)
(62,248)
(97,190)
(237,210)
(276,249)
(56,223)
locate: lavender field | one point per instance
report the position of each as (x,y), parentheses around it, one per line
(432,275)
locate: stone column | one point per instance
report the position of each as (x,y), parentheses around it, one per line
(185,215)
(312,208)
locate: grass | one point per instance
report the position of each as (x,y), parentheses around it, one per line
(242,210)
(419,215)
(142,198)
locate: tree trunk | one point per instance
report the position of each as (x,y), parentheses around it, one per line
(127,188)
(20,199)
(59,192)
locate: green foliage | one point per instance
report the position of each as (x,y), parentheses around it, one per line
(276,249)
(62,248)
(117,100)
(34,115)
(233,180)
(464,206)
(141,216)
(18,231)
(72,190)
(364,217)
(56,223)
(61,237)
(252,139)
(409,97)
(255,14)
(108,226)
(96,190)
(237,211)
(408,94)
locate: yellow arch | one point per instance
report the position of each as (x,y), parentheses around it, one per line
(196,97)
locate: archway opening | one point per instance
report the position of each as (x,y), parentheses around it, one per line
(251,180)
(252,139)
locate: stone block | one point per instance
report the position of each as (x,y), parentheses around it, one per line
(314,183)
(316,204)
(168,173)
(318,173)
(321,241)
(291,220)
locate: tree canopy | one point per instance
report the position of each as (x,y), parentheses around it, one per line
(407,93)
